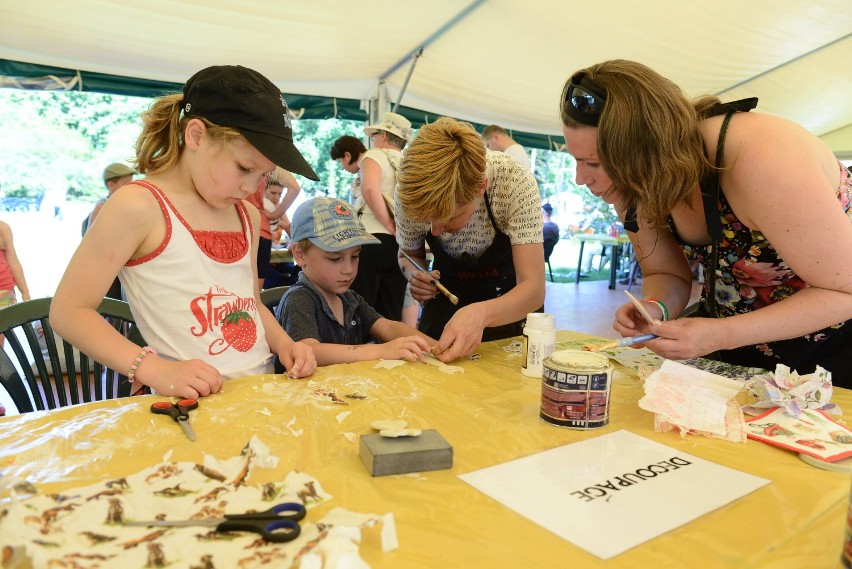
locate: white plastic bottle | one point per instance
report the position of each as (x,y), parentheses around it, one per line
(539,340)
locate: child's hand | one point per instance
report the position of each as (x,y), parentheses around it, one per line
(189,379)
(299,360)
(409,348)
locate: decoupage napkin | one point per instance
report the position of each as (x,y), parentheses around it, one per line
(694,401)
(84,527)
(793,392)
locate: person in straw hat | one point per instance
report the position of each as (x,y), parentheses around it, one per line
(379,279)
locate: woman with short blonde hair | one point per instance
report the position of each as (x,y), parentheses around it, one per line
(480,213)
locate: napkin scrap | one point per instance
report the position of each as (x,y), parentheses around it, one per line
(694,401)
(84,527)
(793,392)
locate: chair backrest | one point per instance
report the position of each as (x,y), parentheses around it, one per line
(271,296)
(47,372)
(549,244)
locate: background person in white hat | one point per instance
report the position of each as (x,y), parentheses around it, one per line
(379,280)
(116,175)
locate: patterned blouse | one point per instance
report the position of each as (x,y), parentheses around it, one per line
(751,274)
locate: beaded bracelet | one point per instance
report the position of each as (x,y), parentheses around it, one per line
(131,375)
(662,307)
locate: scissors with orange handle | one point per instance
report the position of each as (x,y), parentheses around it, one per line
(179,412)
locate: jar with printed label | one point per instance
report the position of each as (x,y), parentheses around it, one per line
(539,341)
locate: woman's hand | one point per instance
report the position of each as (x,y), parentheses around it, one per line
(687,338)
(299,360)
(409,348)
(630,322)
(189,379)
(462,334)
(423,285)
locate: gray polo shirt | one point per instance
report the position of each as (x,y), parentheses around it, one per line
(304,313)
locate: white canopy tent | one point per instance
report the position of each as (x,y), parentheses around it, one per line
(487,61)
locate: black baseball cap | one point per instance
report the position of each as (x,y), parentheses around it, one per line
(243,99)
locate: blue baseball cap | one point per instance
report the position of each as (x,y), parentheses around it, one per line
(330,224)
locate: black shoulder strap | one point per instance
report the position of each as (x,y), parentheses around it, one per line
(711,212)
(740,106)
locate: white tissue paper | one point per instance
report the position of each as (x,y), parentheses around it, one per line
(694,401)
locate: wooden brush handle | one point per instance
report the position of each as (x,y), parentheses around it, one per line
(453,298)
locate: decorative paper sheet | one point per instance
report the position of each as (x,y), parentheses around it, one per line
(597,493)
(83,528)
(813,432)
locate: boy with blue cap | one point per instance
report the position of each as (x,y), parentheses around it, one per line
(320,310)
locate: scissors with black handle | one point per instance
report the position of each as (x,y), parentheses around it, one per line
(278,524)
(179,412)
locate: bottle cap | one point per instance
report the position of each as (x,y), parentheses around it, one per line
(540,321)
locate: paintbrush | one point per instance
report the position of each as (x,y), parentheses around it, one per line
(622,343)
(453,298)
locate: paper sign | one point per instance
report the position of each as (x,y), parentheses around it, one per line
(597,493)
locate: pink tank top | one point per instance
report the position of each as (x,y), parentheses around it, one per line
(7,281)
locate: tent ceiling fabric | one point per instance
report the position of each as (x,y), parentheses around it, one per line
(503,63)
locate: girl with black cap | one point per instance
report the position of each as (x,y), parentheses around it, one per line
(184,242)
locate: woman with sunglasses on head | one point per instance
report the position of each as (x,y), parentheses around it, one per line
(761,203)
(480,212)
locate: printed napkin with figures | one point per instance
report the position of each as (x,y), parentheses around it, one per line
(813,433)
(84,527)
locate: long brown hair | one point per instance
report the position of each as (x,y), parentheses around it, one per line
(160,144)
(649,142)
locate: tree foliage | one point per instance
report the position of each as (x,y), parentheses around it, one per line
(59,142)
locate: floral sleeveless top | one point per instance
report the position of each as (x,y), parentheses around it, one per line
(751,274)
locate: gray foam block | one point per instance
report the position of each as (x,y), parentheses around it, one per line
(401,455)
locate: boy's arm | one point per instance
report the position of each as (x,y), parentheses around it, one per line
(328,354)
(408,348)
(386,330)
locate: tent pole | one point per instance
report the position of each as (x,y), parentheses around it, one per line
(435,35)
(407,77)
(779,66)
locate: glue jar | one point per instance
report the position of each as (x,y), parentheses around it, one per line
(539,340)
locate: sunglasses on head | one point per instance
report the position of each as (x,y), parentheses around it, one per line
(584,100)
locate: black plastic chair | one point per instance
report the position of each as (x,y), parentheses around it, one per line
(549,245)
(64,376)
(271,296)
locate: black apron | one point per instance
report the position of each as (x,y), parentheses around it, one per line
(486,277)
